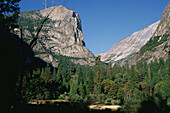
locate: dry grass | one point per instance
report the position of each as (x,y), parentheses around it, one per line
(104,107)
(47,101)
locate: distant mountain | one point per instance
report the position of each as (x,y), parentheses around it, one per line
(126,48)
(158,46)
(61,35)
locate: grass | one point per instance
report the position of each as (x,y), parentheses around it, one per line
(47,101)
(65,105)
(105,107)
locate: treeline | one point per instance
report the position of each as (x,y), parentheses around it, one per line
(138,88)
(153,42)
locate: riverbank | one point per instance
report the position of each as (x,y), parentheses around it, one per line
(63,105)
(105,107)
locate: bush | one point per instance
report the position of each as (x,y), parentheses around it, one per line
(115,102)
(168,102)
(111,101)
(90,99)
(76,98)
(101,98)
(64,96)
(108,101)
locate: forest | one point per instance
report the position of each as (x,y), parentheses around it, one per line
(141,87)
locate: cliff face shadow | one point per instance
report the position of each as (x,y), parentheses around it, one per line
(15,57)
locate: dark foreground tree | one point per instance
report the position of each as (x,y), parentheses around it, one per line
(9,10)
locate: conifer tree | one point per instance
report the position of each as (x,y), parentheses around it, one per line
(149,79)
(81,89)
(96,88)
(54,75)
(73,86)
(59,76)
(90,86)
(109,73)
(46,74)
(9,10)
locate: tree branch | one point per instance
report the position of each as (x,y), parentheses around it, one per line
(34,41)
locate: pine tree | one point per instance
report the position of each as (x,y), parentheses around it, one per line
(149,79)
(9,10)
(70,72)
(59,76)
(54,75)
(73,86)
(102,73)
(46,74)
(90,81)
(79,73)
(81,89)
(96,88)
(133,76)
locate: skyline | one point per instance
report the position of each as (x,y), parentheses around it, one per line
(106,23)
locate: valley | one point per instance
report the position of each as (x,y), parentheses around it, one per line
(46,67)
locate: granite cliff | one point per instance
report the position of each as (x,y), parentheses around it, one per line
(60,35)
(126,48)
(158,46)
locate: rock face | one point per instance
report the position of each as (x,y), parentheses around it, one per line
(129,45)
(61,36)
(164,26)
(158,46)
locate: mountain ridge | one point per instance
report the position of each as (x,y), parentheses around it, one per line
(129,45)
(158,46)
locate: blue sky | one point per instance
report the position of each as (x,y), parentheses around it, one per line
(106,22)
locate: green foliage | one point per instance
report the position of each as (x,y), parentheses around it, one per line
(101,98)
(134,88)
(73,86)
(9,10)
(64,96)
(133,104)
(29,22)
(153,42)
(109,88)
(76,98)
(115,102)
(90,99)
(46,74)
(165,88)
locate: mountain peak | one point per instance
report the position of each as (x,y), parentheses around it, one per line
(129,45)
(164,25)
(158,46)
(61,35)
(60,6)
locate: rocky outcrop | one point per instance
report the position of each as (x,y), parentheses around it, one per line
(128,46)
(61,35)
(164,25)
(158,46)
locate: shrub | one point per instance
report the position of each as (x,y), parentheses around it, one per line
(101,98)
(77,98)
(168,102)
(64,96)
(90,99)
(108,101)
(115,102)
